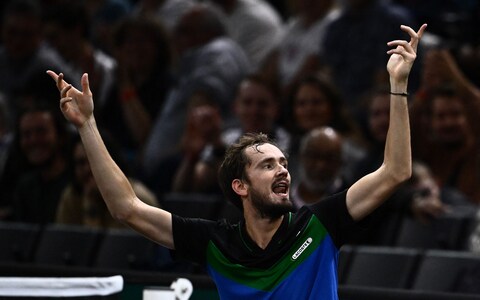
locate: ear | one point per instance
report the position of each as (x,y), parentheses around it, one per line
(239,187)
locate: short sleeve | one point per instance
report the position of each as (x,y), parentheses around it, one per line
(191,237)
(333,214)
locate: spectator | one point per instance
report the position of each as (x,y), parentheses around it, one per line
(104,16)
(166,11)
(67,30)
(211,66)
(451,147)
(143,78)
(315,102)
(6,138)
(24,56)
(357,72)
(81,202)
(421,197)
(298,52)
(179,172)
(255,25)
(444,124)
(320,163)
(45,143)
(197,172)
(256,107)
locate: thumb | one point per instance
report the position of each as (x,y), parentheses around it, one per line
(86,85)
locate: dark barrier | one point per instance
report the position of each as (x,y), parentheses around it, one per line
(204,287)
(371,293)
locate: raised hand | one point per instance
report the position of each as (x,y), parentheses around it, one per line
(76,106)
(404,53)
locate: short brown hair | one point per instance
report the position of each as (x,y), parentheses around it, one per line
(235,162)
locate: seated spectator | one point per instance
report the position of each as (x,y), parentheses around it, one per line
(67,31)
(143,78)
(297,54)
(81,202)
(166,11)
(205,137)
(197,171)
(451,148)
(6,138)
(210,68)
(255,25)
(320,164)
(104,16)
(45,143)
(256,108)
(421,197)
(357,72)
(24,55)
(444,123)
(315,102)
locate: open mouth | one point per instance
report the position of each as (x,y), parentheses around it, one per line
(280,188)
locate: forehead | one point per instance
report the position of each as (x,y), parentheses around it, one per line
(249,88)
(324,143)
(36,118)
(446,101)
(257,153)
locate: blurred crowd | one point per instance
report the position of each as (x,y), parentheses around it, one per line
(175,82)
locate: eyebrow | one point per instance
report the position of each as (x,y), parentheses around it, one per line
(271,159)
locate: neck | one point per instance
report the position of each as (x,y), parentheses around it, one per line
(261,230)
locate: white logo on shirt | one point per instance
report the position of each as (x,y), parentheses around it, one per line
(302,248)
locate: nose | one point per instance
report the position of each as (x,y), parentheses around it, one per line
(282,170)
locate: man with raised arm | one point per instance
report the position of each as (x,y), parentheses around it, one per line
(273,253)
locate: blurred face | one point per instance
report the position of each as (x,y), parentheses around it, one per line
(311,108)
(255,107)
(449,122)
(187,32)
(268,181)
(83,173)
(379,117)
(38,137)
(321,160)
(138,51)
(21,35)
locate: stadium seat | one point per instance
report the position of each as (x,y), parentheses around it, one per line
(383,267)
(442,270)
(447,233)
(124,249)
(67,245)
(17,241)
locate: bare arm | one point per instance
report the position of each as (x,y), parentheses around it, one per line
(123,204)
(370,191)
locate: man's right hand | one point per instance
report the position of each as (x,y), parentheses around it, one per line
(76,106)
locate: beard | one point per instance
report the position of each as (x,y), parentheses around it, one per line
(269,209)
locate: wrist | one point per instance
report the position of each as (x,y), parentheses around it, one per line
(87,125)
(403,94)
(398,87)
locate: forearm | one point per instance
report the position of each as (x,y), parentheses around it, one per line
(398,158)
(373,189)
(111,181)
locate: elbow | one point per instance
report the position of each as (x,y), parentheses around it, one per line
(401,175)
(123,213)
(121,217)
